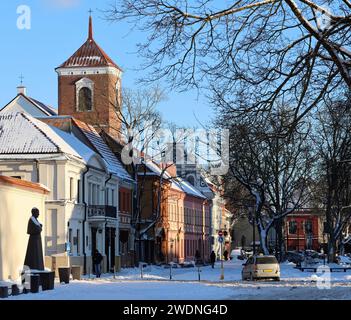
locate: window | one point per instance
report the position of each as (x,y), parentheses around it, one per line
(94,194)
(113,200)
(266,260)
(107,196)
(308,227)
(85,100)
(292,227)
(78,192)
(71,196)
(70,235)
(84,95)
(78,242)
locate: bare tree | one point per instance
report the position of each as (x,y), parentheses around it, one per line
(274,168)
(333,141)
(259,52)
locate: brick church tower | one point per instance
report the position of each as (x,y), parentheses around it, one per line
(89,87)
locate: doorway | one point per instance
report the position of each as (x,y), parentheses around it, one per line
(110,248)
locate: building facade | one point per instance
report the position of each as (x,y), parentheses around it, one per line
(83,190)
(17,199)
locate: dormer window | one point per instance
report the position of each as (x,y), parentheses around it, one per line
(85,95)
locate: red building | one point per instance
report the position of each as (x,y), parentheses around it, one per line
(304,230)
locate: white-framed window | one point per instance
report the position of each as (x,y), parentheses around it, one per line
(85,95)
(94,194)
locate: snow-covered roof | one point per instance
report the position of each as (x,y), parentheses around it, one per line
(177,182)
(22,134)
(113,164)
(84,151)
(22,101)
(189,189)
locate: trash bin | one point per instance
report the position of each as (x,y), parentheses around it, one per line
(76,272)
(34,283)
(15,290)
(64,274)
(47,280)
(4,292)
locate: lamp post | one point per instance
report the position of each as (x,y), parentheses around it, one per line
(252,221)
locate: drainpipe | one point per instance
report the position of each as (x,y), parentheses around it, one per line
(109,179)
(85,220)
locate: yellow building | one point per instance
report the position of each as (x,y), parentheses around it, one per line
(17,198)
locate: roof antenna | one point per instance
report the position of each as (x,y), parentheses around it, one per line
(90,25)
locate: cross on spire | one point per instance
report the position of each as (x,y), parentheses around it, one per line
(21,77)
(90,11)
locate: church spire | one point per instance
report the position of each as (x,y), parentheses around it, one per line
(90,26)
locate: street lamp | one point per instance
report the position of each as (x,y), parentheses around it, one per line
(252,221)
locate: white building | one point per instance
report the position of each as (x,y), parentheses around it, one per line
(81,208)
(23,103)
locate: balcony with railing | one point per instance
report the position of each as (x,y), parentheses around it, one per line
(101,212)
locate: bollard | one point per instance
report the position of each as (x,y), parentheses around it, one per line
(15,290)
(170,272)
(4,292)
(34,283)
(199,273)
(64,274)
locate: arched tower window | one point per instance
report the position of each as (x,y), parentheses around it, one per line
(85,95)
(85,100)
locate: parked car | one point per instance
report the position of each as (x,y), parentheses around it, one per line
(313,254)
(261,267)
(235,254)
(343,260)
(295,257)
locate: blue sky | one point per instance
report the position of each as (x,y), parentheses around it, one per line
(58,28)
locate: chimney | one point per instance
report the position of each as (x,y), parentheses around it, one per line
(22,90)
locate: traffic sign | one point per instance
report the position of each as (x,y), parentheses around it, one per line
(220,233)
(220,239)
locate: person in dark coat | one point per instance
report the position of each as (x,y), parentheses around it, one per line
(34,256)
(213,259)
(97,259)
(225,254)
(197,257)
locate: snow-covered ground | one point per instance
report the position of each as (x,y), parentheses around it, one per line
(156,285)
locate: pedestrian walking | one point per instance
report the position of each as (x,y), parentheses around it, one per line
(213,259)
(97,259)
(197,257)
(225,254)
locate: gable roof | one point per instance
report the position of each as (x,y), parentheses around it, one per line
(45,109)
(89,55)
(113,164)
(22,134)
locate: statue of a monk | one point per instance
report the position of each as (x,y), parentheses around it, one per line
(34,256)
